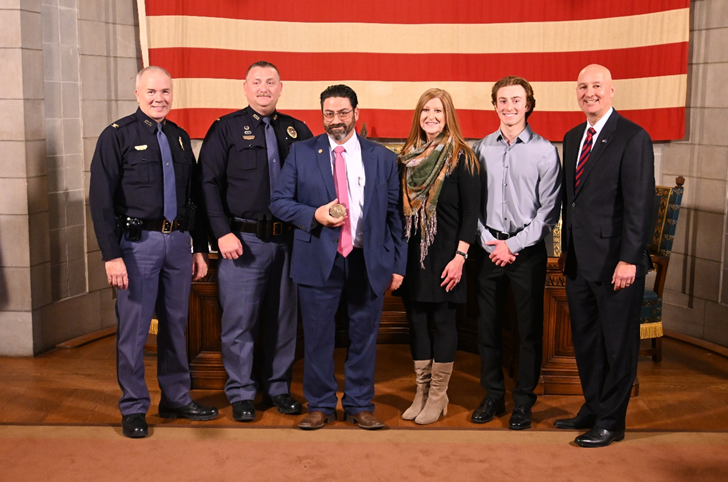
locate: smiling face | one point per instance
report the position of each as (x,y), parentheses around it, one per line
(432,118)
(594,92)
(154,94)
(339,118)
(263,88)
(512,107)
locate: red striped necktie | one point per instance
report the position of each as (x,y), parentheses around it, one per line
(584,156)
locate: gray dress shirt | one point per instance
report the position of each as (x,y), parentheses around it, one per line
(521,188)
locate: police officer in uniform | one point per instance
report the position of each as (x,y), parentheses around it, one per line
(143,186)
(241,158)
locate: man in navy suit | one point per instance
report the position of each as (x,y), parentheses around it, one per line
(359,254)
(609,187)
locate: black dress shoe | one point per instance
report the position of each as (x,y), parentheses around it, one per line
(285,403)
(521,418)
(244,411)
(487,410)
(134,425)
(193,411)
(576,423)
(599,437)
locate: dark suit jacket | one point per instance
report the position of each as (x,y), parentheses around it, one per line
(306,182)
(608,220)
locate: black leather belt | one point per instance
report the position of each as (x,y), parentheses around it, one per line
(160,225)
(274,228)
(500,235)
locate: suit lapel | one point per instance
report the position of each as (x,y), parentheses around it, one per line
(323,157)
(369,159)
(570,160)
(600,144)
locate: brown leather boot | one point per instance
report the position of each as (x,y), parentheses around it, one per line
(422,371)
(437,397)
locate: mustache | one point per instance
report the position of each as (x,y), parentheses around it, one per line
(336,126)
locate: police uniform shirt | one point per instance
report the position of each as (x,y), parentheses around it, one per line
(234,161)
(127,179)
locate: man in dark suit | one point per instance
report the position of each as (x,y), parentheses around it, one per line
(342,194)
(609,187)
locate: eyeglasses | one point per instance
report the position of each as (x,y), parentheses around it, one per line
(343,114)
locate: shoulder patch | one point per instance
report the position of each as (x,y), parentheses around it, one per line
(124,121)
(292,132)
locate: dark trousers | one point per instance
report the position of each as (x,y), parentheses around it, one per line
(259,280)
(527,276)
(159,267)
(441,316)
(318,310)
(605,329)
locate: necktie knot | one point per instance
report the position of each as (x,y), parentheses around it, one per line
(591,132)
(339,149)
(266,120)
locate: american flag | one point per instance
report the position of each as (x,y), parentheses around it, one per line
(391,51)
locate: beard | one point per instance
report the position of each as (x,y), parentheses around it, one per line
(338,132)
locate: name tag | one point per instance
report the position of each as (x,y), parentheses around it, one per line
(141,148)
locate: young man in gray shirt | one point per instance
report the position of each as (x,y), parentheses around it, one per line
(521,176)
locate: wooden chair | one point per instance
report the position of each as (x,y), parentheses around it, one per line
(665,214)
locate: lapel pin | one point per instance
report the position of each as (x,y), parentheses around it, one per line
(320,151)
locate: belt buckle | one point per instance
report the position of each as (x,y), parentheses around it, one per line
(277,228)
(166,227)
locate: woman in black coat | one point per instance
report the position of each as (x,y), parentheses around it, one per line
(441,196)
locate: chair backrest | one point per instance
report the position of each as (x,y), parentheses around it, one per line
(665,213)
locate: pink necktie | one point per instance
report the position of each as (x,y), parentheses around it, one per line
(342,192)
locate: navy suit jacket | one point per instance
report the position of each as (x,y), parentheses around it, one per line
(306,183)
(608,219)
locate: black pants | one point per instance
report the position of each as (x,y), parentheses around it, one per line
(421,315)
(527,276)
(605,328)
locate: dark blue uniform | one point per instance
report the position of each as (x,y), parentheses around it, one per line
(236,186)
(127,181)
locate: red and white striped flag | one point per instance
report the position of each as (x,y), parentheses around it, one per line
(391,51)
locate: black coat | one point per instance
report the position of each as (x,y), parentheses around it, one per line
(457,220)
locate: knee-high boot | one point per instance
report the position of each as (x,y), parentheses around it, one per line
(437,397)
(423,373)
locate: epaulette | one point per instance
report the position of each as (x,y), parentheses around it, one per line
(233,114)
(124,121)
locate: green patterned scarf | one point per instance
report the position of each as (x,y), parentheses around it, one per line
(425,170)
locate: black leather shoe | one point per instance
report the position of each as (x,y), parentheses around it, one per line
(134,425)
(487,410)
(285,403)
(521,418)
(244,411)
(599,437)
(576,423)
(193,411)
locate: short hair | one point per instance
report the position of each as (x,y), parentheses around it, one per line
(514,80)
(147,69)
(339,90)
(264,64)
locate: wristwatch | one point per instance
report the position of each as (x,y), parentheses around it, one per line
(464,255)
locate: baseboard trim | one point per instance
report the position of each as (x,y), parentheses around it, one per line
(88,338)
(706,345)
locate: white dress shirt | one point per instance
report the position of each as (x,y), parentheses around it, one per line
(598,128)
(356,181)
